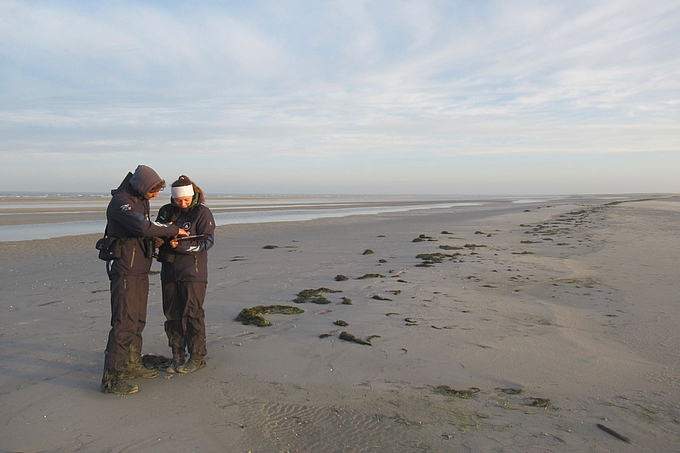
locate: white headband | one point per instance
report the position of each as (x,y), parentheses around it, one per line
(182,191)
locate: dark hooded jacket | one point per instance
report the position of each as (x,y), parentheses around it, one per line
(189,261)
(128,218)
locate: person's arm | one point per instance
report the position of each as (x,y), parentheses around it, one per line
(163,217)
(137,225)
(205,230)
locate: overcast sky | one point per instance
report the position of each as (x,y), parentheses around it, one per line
(347,96)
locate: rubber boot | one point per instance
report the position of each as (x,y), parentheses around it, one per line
(136,368)
(178,359)
(115,383)
(196,362)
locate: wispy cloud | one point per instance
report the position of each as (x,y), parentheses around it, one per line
(338,79)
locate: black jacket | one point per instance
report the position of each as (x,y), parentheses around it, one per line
(128,218)
(189,260)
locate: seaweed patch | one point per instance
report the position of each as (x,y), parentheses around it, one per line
(156,362)
(255,315)
(366,276)
(346,336)
(509,391)
(538,402)
(430,259)
(314,296)
(450,247)
(449,391)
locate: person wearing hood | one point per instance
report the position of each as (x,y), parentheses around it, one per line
(128,219)
(184,274)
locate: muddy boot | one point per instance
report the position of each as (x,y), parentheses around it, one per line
(115,383)
(194,363)
(136,368)
(178,359)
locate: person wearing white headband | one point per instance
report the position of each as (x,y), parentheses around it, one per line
(182,191)
(184,274)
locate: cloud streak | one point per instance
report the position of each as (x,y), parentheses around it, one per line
(339,80)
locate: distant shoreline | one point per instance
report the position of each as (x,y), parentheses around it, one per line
(30,217)
(58,216)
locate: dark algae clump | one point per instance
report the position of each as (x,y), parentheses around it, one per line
(314,296)
(538,402)
(367,276)
(449,391)
(346,336)
(430,259)
(156,362)
(255,315)
(423,238)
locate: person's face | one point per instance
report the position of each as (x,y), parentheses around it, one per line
(150,195)
(183,202)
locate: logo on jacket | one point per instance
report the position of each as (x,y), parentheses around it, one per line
(126,207)
(186,226)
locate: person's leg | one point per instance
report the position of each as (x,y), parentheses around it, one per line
(135,366)
(141,289)
(123,330)
(173,308)
(194,318)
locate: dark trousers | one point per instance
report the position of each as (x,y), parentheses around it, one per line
(185,318)
(129,297)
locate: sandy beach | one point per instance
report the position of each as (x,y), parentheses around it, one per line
(532,328)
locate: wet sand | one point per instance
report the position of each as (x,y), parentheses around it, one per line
(532,328)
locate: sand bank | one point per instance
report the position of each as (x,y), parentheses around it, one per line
(548,328)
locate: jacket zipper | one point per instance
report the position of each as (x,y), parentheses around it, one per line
(132,260)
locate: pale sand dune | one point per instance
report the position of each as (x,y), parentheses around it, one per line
(575,307)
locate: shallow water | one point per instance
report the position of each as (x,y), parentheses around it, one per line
(28,217)
(58,229)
